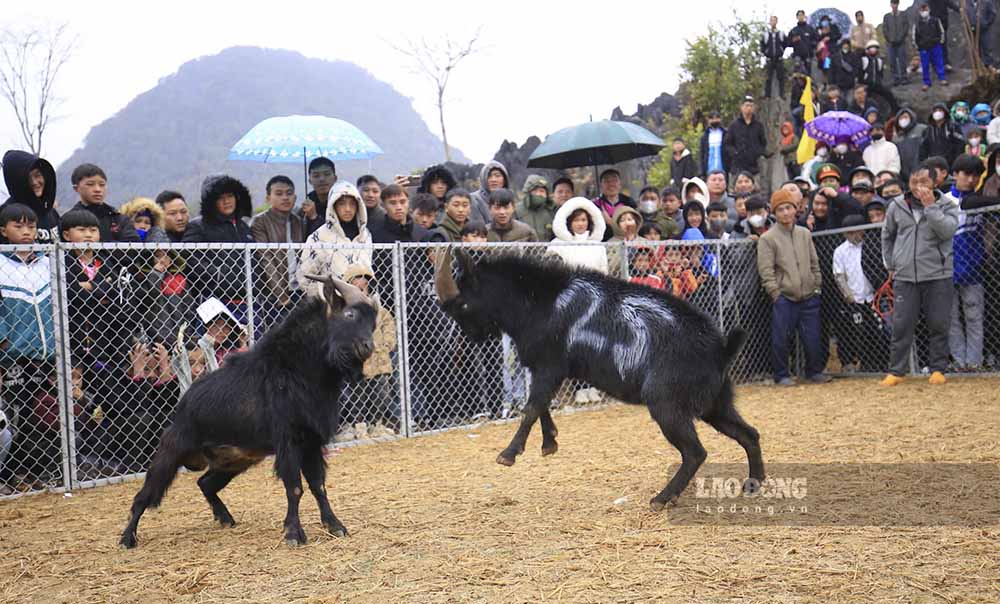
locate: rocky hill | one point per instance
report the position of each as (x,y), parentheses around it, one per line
(175,134)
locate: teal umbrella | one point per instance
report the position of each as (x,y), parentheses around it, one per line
(593,144)
(301,138)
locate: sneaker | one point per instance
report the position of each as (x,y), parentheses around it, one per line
(949,69)
(925,87)
(937,379)
(595,395)
(892,380)
(944,82)
(785,382)
(581,396)
(6,490)
(819,378)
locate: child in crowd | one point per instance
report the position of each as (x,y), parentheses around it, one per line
(27,342)
(677,275)
(643,271)
(579,221)
(474,232)
(91,184)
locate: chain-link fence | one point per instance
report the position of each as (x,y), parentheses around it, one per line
(99,342)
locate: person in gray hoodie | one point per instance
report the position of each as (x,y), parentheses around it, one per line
(909,135)
(489,180)
(917,250)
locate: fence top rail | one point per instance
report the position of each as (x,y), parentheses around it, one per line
(219,246)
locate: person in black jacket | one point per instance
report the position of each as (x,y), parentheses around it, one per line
(225,205)
(322,177)
(845,66)
(803,39)
(772,46)
(930,36)
(942,136)
(939,10)
(682,166)
(31,181)
(90,182)
(745,140)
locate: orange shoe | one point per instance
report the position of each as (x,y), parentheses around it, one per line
(891,380)
(937,379)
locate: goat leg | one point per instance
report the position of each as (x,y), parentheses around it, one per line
(314,469)
(549,433)
(682,435)
(543,387)
(288,465)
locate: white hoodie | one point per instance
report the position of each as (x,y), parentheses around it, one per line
(882,155)
(330,261)
(590,255)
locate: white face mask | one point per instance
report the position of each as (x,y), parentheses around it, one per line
(904,122)
(756,221)
(647,206)
(938,116)
(821,152)
(924,14)
(841,148)
(974,142)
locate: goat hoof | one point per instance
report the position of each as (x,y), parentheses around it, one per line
(225,520)
(751,486)
(505,461)
(128,541)
(295,537)
(550,450)
(657,504)
(337,530)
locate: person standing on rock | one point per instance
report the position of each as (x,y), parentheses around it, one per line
(772,46)
(939,10)
(930,38)
(745,140)
(895,28)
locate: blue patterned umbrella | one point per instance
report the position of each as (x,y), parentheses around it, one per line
(835,127)
(835,16)
(300,138)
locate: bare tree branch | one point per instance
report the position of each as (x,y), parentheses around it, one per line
(436,62)
(30,62)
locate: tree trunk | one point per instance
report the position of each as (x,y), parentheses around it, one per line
(444,133)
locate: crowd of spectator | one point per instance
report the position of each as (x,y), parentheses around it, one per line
(913,262)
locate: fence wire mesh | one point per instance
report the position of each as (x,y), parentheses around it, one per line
(99,342)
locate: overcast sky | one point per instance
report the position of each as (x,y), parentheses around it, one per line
(546,65)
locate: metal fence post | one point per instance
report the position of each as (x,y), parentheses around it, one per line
(248,273)
(64,366)
(721,285)
(624,262)
(402,339)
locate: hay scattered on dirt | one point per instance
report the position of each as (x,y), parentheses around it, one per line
(436,520)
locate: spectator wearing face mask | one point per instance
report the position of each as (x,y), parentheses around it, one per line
(975,145)
(929,38)
(881,154)
(757,222)
(908,138)
(942,137)
(845,157)
(812,165)
(652,213)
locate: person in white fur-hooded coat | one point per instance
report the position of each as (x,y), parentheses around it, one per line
(346,223)
(580,221)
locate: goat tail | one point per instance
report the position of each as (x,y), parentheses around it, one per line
(734,343)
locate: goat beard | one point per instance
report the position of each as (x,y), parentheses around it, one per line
(342,358)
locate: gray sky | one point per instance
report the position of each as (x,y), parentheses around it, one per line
(545,66)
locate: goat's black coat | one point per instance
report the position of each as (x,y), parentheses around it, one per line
(281,397)
(640,345)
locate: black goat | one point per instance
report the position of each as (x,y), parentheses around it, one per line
(282,397)
(637,344)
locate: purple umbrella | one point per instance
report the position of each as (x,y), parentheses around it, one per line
(835,127)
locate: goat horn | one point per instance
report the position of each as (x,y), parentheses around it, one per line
(444,282)
(350,294)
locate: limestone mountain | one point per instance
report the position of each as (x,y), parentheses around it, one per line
(181,130)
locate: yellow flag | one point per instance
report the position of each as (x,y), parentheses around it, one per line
(807,144)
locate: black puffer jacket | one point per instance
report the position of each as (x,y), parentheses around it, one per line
(944,139)
(115,227)
(220,273)
(17,165)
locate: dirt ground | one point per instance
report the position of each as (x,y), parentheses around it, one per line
(434,519)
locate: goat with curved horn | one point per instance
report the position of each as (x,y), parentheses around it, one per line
(444,281)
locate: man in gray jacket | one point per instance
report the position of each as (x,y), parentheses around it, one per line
(896,29)
(917,250)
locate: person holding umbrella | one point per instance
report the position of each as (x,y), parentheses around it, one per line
(612,198)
